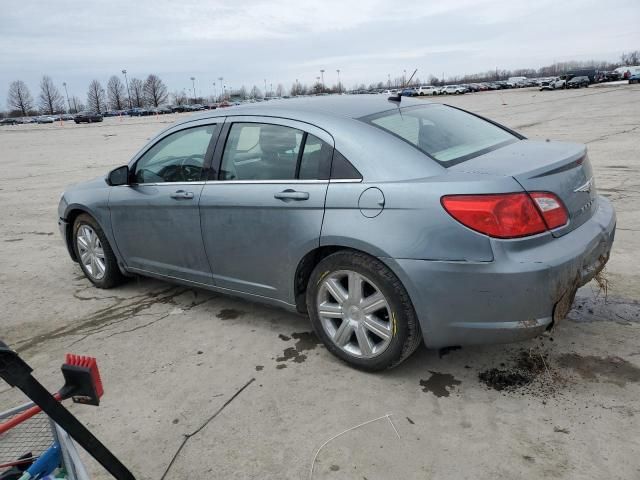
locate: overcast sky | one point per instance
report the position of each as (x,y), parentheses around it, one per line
(247,41)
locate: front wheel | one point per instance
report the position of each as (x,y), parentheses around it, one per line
(94,254)
(361,311)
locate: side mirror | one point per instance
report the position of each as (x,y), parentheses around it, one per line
(118,176)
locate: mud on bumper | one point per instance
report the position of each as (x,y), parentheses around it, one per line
(512,298)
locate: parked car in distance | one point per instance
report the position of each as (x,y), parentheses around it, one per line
(516,82)
(634,78)
(560,83)
(408,92)
(44,119)
(66,117)
(426,90)
(452,90)
(87,117)
(10,121)
(578,82)
(138,112)
(547,85)
(306,198)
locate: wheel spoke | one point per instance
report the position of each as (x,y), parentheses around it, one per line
(100,265)
(374,325)
(85,257)
(343,333)
(99,253)
(82,242)
(335,289)
(355,288)
(363,341)
(373,303)
(331,310)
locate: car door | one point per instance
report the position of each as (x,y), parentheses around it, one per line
(155,219)
(263,209)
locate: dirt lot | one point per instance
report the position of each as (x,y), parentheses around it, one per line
(171,357)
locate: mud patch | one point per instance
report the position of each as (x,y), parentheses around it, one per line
(305,341)
(593,308)
(229,314)
(611,369)
(439,384)
(524,369)
(259,368)
(14,240)
(447,350)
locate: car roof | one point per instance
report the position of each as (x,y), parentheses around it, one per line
(336,106)
(339,115)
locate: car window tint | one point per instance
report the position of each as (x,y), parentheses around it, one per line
(446,134)
(260,151)
(341,168)
(316,159)
(178,157)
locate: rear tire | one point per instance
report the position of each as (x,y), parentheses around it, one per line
(370,322)
(94,254)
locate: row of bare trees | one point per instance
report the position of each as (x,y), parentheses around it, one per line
(152,92)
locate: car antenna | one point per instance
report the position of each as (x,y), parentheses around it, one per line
(398,97)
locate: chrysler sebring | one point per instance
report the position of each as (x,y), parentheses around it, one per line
(388,223)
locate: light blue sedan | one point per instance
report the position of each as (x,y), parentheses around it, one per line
(387,222)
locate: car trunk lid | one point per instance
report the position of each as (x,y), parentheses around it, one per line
(557,167)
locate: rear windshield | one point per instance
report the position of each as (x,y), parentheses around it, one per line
(446,134)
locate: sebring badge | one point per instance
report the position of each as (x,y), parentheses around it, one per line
(586,187)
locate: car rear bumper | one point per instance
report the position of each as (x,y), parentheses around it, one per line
(513,297)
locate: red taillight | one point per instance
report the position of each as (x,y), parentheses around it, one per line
(551,208)
(507,215)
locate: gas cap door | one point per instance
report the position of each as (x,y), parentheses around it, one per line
(371,202)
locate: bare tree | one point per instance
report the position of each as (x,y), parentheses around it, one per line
(155,91)
(96,98)
(255,92)
(136,89)
(19,97)
(179,98)
(49,100)
(631,58)
(116,93)
(77,105)
(242,93)
(279,90)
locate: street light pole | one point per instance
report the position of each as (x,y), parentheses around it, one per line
(193,84)
(126,80)
(221,84)
(339,84)
(64,84)
(322,75)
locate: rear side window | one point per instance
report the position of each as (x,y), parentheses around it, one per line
(316,159)
(446,134)
(260,151)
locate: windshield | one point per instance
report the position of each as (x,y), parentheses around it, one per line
(446,134)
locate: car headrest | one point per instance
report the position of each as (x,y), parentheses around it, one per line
(431,138)
(277,140)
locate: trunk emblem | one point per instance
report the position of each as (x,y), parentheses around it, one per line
(586,187)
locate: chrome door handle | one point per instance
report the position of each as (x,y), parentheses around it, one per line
(182,195)
(289,194)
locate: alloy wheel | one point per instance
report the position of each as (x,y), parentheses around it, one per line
(354,314)
(91,252)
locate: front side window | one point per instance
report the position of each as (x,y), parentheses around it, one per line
(444,133)
(178,157)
